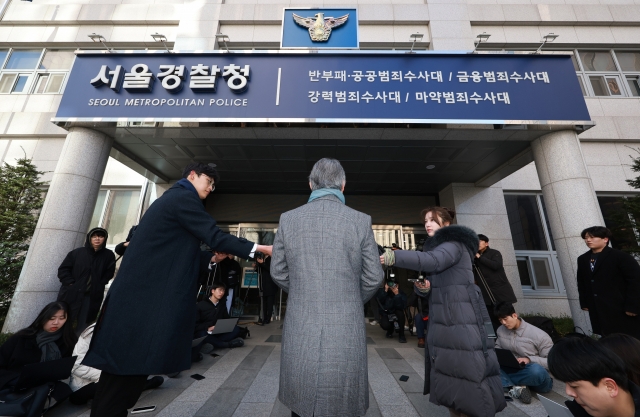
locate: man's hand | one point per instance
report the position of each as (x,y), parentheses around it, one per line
(525,361)
(422,286)
(382,259)
(585,309)
(210,329)
(126,244)
(260,260)
(477,255)
(395,290)
(386,287)
(265,249)
(630,314)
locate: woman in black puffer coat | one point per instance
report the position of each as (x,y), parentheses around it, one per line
(461,367)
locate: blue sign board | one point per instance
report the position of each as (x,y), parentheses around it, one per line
(324,87)
(320,28)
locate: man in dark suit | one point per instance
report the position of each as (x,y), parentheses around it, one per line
(147,319)
(490,276)
(609,285)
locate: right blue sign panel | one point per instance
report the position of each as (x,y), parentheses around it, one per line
(325,87)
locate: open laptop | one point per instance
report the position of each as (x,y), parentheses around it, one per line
(507,360)
(225,325)
(553,408)
(42,372)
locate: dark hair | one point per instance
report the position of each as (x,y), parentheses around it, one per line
(98,233)
(217,285)
(503,309)
(200,169)
(597,231)
(68,335)
(583,359)
(440,214)
(483,237)
(628,349)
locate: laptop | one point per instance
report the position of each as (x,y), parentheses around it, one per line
(507,360)
(553,408)
(42,372)
(196,342)
(225,325)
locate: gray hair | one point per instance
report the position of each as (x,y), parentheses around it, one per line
(327,173)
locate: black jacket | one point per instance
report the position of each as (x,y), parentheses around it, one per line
(77,267)
(146,325)
(612,289)
(577,410)
(209,314)
(492,269)
(20,350)
(120,247)
(390,302)
(266,284)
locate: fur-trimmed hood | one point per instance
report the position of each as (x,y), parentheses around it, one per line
(455,233)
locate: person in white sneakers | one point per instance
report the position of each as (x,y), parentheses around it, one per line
(84,378)
(531,346)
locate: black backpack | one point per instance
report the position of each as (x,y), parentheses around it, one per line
(545,324)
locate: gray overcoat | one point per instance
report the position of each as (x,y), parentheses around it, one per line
(461,367)
(325,257)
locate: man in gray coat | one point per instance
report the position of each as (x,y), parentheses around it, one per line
(325,257)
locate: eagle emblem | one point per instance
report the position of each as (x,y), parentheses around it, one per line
(320,26)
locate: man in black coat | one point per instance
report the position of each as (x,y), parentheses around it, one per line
(490,276)
(267,288)
(609,285)
(146,325)
(84,273)
(121,247)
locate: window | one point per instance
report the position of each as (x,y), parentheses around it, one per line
(34,71)
(608,73)
(116,211)
(536,257)
(617,220)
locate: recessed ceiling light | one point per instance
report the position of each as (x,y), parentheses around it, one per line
(430,166)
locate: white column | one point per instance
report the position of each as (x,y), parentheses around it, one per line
(571,205)
(63,223)
(483,209)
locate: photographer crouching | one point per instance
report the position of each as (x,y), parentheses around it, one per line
(392,301)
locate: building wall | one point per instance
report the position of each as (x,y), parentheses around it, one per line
(384,24)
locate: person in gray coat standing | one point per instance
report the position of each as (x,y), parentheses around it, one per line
(326,258)
(461,368)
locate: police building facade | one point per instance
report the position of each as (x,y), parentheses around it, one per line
(520,114)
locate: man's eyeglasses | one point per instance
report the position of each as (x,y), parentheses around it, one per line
(210,181)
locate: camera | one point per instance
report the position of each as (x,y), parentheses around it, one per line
(259,255)
(391,284)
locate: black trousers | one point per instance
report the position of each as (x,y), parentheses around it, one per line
(494,320)
(388,325)
(267,308)
(115,394)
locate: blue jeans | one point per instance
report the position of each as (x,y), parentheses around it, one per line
(533,376)
(419,326)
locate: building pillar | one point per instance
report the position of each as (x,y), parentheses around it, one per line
(483,209)
(571,205)
(63,223)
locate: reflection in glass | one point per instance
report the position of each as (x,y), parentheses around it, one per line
(523,270)
(616,219)
(57,60)
(629,61)
(599,88)
(525,223)
(634,86)
(3,55)
(122,213)
(54,84)
(97,211)
(24,59)
(614,88)
(597,61)
(542,272)
(6,82)
(21,83)
(546,219)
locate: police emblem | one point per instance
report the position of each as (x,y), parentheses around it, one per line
(320,26)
